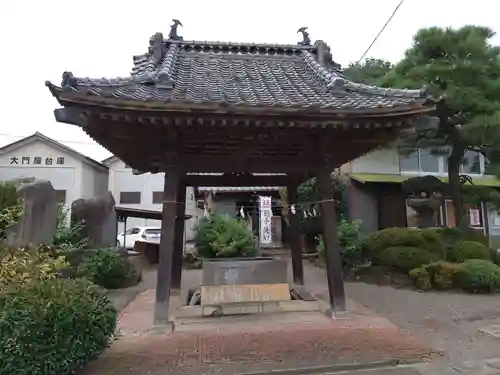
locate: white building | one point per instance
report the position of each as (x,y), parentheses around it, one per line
(375,195)
(145,192)
(72,174)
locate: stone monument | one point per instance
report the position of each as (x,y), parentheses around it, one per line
(37,224)
(243,281)
(99,219)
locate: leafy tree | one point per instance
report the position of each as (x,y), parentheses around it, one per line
(462,70)
(221,236)
(369,72)
(307,198)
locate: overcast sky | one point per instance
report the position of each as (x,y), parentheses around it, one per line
(97,38)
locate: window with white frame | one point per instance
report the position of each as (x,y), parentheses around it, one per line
(471,163)
(420,160)
(426,161)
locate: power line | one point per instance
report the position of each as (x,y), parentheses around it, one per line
(381,30)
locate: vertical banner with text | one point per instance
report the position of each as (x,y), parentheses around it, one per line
(266,213)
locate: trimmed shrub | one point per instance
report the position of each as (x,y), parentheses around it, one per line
(53,326)
(495,256)
(464,250)
(406,258)
(25,265)
(443,274)
(109,269)
(434,241)
(221,236)
(479,276)
(440,275)
(421,277)
(477,235)
(451,236)
(376,243)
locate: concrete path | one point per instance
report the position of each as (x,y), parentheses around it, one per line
(489,367)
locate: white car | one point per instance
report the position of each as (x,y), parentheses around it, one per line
(127,239)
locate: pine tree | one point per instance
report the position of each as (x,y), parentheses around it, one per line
(461,70)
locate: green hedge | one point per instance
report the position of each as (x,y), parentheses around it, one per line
(451,236)
(53,326)
(479,276)
(406,258)
(377,242)
(109,268)
(464,250)
(439,275)
(445,243)
(474,275)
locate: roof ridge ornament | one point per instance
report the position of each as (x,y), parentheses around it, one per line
(172,35)
(68,80)
(157,48)
(324,56)
(306,40)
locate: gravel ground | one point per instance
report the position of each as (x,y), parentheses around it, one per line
(449,321)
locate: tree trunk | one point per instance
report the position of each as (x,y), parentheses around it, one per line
(454,161)
(458,148)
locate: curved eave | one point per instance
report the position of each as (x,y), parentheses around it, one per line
(74,98)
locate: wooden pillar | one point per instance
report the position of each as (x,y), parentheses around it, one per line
(330,238)
(164,278)
(294,236)
(179,237)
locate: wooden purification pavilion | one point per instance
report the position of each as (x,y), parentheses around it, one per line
(237,108)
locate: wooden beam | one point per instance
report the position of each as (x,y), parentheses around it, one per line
(151,155)
(237,135)
(333,258)
(164,275)
(236,164)
(179,237)
(294,232)
(236,180)
(250,113)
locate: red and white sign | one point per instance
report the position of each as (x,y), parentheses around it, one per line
(474,217)
(265,203)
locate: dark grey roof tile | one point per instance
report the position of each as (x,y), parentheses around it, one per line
(241,74)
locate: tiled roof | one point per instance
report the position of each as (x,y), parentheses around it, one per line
(234,74)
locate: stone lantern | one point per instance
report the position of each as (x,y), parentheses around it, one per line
(424,195)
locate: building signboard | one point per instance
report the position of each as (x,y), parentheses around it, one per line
(36,160)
